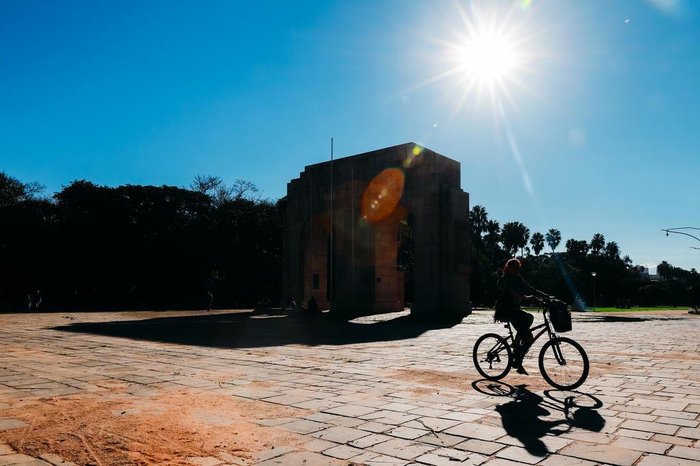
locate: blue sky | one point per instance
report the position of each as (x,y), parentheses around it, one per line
(595,130)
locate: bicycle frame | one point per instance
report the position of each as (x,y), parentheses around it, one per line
(546,327)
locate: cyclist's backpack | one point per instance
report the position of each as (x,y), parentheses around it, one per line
(560,316)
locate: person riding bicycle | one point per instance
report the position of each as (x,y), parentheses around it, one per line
(512,288)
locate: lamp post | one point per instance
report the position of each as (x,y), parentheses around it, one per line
(678,232)
(593,274)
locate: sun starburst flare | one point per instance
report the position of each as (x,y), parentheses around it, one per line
(485,55)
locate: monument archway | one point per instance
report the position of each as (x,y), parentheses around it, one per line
(342,233)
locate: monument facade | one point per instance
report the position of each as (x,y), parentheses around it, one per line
(343,230)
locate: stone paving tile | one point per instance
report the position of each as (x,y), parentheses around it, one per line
(56,460)
(678,422)
(688,432)
(480,446)
(503,462)
(450,456)
(548,443)
(299,459)
(685,452)
(304,426)
(376,427)
(6,424)
(657,460)
(477,431)
(343,452)
(370,440)
(389,417)
(317,445)
(339,434)
(384,460)
(522,455)
(407,433)
(400,448)
(350,410)
(21,460)
(673,440)
(677,414)
(440,439)
(602,454)
(432,423)
(641,445)
(560,460)
(272,453)
(635,434)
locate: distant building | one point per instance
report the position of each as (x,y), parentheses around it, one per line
(649,272)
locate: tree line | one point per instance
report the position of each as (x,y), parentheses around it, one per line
(96,247)
(587,273)
(91,246)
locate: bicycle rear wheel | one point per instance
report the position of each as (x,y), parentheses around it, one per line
(563,363)
(492,356)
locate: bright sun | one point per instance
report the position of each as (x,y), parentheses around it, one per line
(483,53)
(487,58)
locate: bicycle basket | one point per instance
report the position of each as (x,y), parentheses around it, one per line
(560,316)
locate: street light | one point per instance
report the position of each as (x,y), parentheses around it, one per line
(593,274)
(676,231)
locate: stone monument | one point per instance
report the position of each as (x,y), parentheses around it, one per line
(342,233)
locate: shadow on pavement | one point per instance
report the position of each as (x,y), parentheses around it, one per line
(609,318)
(529,417)
(260,328)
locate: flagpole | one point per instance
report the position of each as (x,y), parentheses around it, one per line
(332,251)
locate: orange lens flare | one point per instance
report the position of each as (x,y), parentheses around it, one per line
(382,195)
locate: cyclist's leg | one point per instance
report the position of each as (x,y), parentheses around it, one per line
(521,321)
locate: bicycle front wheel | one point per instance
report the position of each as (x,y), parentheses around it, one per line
(492,356)
(563,363)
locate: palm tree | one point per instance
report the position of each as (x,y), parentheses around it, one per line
(478,219)
(515,236)
(553,238)
(612,250)
(537,242)
(493,234)
(597,243)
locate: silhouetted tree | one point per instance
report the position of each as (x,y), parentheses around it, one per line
(576,249)
(537,242)
(597,243)
(515,236)
(553,238)
(478,220)
(13,191)
(612,250)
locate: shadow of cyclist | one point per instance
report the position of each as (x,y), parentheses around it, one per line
(530,418)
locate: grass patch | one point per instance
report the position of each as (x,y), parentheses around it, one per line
(638,309)
(617,309)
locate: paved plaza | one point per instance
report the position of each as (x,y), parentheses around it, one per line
(243,387)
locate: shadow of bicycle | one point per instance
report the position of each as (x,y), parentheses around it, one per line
(530,418)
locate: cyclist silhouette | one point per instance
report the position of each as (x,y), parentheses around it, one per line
(512,288)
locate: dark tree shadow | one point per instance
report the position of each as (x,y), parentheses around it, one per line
(260,328)
(522,414)
(609,318)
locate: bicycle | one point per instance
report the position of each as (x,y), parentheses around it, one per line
(563,362)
